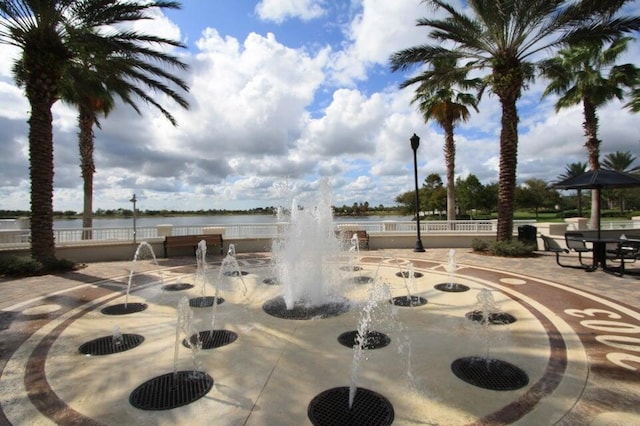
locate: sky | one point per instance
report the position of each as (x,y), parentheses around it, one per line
(285,94)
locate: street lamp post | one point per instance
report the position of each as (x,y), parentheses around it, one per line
(415,143)
(133,200)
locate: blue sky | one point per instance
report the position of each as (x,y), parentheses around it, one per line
(285,93)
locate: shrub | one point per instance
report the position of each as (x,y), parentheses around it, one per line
(513,248)
(479,245)
(20,266)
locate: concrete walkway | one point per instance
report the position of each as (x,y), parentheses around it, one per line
(577,336)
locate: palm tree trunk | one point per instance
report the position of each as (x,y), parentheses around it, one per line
(590,126)
(87,166)
(41,174)
(508,164)
(450,159)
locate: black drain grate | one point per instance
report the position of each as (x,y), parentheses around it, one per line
(408,301)
(406,274)
(177,287)
(372,340)
(490,373)
(110,345)
(351,268)
(171,390)
(496,318)
(235,273)
(204,301)
(211,339)
(451,287)
(301,311)
(271,281)
(124,309)
(331,408)
(362,279)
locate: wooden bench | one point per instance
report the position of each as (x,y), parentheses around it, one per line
(347,234)
(192,241)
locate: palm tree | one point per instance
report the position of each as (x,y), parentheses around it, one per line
(573,170)
(577,75)
(506,37)
(440,98)
(92,82)
(51,35)
(620,162)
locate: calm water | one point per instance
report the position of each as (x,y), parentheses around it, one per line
(144,222)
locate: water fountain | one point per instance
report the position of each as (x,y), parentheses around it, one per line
(313,288)
(309,244)
(451,286)
(126,307)
(177,388)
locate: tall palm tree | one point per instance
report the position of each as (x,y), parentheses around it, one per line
(51,35)
(573,170)
(440,96)
(92,82)
(578,74)
(505,37)
(621,162)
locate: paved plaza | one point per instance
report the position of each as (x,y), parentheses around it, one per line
(576,336)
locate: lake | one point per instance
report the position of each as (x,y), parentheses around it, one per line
(144,222)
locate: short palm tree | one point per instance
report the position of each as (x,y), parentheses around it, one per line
(505,38)
(585,74)
(440,96)
(92,82)
(51,35)
(573,170)
(620,161)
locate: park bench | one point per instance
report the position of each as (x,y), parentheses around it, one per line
(347,234)
(172,241)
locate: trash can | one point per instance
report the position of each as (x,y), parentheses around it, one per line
(528,235)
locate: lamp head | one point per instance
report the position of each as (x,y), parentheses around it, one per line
(415,142)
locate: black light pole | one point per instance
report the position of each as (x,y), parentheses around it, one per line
(133,200)
(415,143)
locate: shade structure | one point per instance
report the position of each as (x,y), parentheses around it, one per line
(599,179)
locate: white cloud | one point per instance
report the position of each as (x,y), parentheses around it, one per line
(279,11)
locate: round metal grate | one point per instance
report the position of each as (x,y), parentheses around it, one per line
(271,281)
(495,318)
(110,345)
(211,339)
(408,301)
(277,307)
(406,274)
(372,340)
(124,309)
(451,287)
(490,373)
(205,301)
(177,287)
(235,273)
(331,408)
(171,390)
(362,279)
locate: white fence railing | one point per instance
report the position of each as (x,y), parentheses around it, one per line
(22,237)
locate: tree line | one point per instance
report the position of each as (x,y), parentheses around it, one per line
(473,199)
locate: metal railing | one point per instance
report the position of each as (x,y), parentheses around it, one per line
(22,237)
